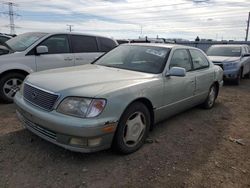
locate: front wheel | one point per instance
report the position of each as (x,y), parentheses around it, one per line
(132,129)
(209,103)
(9,84)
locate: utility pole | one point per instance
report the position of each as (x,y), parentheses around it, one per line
(11,15)
(247,30)
(70,27)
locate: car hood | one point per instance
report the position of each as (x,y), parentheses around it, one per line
(223,59)
(87,80)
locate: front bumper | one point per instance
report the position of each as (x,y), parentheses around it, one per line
(230,74)
(61,129)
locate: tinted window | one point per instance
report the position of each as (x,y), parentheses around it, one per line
(3,39)
(83,44)
(181,58)
(230,51)
(106,44)
(199,60)
(147,59)
(57,44)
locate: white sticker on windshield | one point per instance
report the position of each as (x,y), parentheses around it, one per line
(160,53)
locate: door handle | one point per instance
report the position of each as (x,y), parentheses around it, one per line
(68,59)
(79,58)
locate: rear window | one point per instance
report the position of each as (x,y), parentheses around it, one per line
(81,44)
(106,44)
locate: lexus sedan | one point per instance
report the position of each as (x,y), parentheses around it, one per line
(116,100)
(233,59)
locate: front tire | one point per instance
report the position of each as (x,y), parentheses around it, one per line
(132,129)
(9,84)
(212,95)
(239,76)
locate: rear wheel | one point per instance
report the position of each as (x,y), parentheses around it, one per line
(9,84)
(209,103)
(132,129)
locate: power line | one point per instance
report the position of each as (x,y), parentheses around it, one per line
(11,15)
(247,30)
(70,27)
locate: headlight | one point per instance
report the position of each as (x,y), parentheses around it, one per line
(81,107)
(231,65)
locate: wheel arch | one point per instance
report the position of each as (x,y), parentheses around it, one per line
(24,72)
(149,105)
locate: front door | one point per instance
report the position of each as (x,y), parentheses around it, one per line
(179,91)
(58,56)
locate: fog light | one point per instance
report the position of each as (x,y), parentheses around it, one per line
(77,141)
(94,141)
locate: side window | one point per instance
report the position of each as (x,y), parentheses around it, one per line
(246,49)
(181,58)
(82,44)
(243,50)
(106,44)
(57,44)
(3,39)
(199,60)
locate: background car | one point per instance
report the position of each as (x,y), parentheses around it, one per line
(233,59)
(4,38)
(31,52)
(116,100)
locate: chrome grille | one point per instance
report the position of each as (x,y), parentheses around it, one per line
(39,97)
(37,128)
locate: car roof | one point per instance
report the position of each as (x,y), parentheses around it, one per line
(72,33)
(231,45)
(163,45)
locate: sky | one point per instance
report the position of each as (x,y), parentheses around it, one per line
(122,19)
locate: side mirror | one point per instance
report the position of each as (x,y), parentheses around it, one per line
(245,55)
(177,71)
(42,50)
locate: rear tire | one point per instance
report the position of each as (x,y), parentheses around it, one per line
(10,83)
(212,95)
(132,129)
(239,76)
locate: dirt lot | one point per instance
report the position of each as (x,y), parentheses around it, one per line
(194,149)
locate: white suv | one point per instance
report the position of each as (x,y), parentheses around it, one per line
(31,52)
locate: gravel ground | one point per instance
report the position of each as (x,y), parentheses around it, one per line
(197,148)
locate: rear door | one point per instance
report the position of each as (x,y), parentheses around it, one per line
(58,56)
(85,49)
(204,74)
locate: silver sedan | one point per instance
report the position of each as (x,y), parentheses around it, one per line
(114,101)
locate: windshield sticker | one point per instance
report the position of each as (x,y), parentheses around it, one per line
(160,53)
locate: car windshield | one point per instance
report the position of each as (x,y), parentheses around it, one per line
(229,51)
(23,41)
(146,59)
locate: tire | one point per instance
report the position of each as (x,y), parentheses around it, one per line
(135,119)
(9,84)
(212,95)
(239,76)
(247,75)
